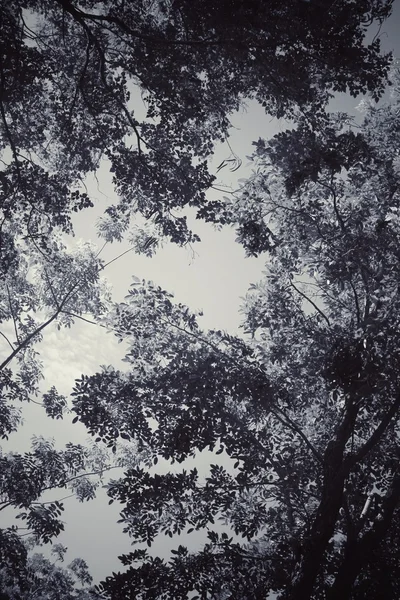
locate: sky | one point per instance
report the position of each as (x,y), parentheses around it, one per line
(213,277)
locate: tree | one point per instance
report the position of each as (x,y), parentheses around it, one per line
(68,76)
(44,579)
(71,72)
(306,411)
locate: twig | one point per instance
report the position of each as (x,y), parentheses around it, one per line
(116,258)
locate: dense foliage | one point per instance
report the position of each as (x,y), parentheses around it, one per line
(303,411)
(149,86)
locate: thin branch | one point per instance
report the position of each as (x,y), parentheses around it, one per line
(80,82)
(75,316)
(36,402)
(202,340)
(81,16)
(311,302)
(116,258)
(101,249)
(378,433)
(26,341)
(53,501)
(12,314)
(34,333)
(7,129)
(66,481)
(7,340)
(335,206)
(356,301)
(287,421)
(32,236)
(51,289)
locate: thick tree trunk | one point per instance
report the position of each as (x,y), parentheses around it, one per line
(358,551)
(321,533)
(335,472)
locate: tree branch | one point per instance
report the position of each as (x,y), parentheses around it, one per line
(294,427)
(377,434)
(356,301)
(7,340)
(12,314)
(26,341)
(311,302)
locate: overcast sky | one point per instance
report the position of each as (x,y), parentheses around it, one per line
(213,278)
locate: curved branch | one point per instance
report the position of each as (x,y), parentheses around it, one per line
(311,302)
(7,340)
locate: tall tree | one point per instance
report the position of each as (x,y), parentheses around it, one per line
(306,411)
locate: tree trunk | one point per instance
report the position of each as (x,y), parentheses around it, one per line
(358,551)
(335,472)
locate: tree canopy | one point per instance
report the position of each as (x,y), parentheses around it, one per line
(302,409)
(149,86)
(306,410)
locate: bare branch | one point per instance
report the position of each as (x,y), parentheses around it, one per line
(116,258)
